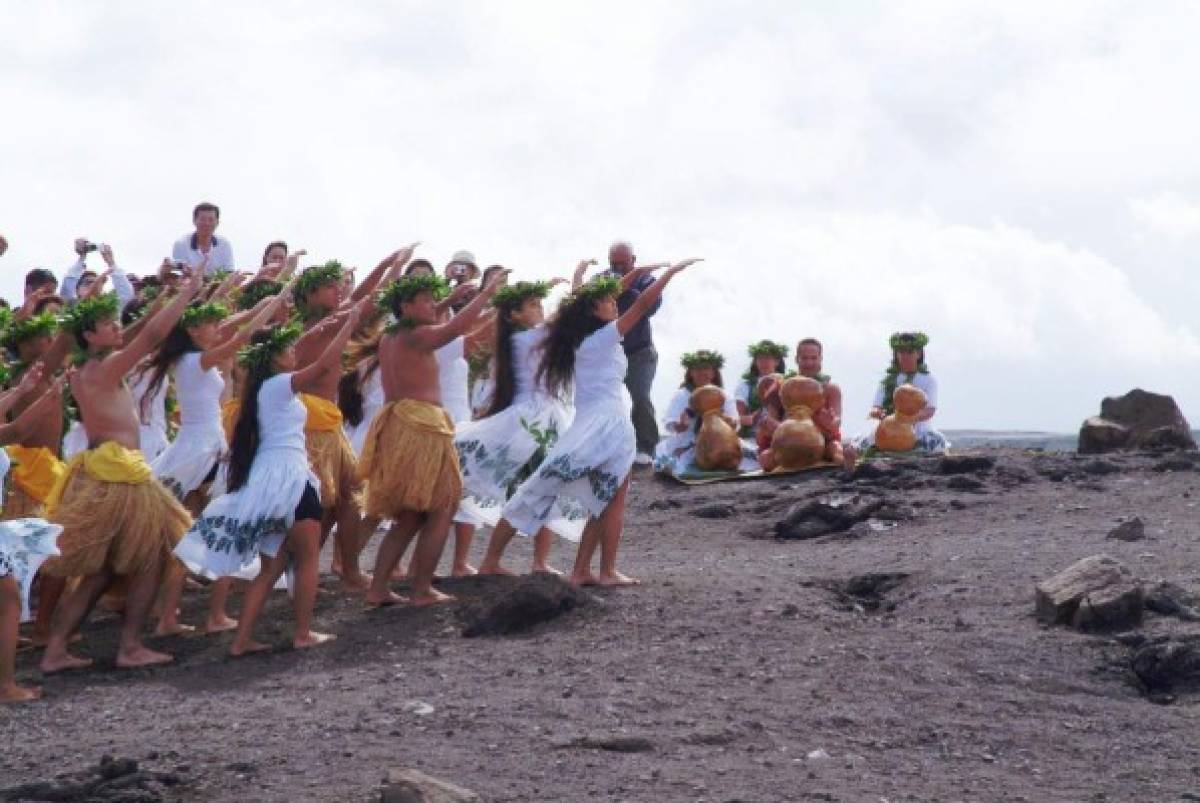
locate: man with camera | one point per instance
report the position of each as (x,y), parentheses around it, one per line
(78,280)
(192,249)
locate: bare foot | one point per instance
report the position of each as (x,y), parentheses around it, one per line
(386,601)
(496,568)
(465,570)
(356,583)
(219,624)
(545,568)
(14,693)
(617,580)
(238,650)
(312,639)
(431,597)
(140,656)
(583,579)
(172,628)
(61,662)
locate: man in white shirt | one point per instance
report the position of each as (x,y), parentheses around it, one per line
(191,249)
(77,278)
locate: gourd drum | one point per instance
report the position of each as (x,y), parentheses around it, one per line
(717,445)
(896,433)
(798,443)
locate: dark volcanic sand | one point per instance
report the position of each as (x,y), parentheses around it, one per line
(733,661)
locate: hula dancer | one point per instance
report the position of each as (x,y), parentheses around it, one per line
(676,453)
(192,354)
(318,296)
(585,476)
(409,461)
(117,519)
(273,504)
(522,423)
(766,357)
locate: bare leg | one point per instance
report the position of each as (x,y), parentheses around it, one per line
(172,595)
(218,617)
(349,545)
(849,458)
(10,619)
(304,542)
(464,534)
(252,604)
(71,613)
(426,556)
(328,519)
(404,527)
(541,552)
(612,522)
(581,574)
(501,535)
(131,652)
(51,591)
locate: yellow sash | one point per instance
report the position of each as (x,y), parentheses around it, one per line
(109,462)
(229,411)
(36,470)
(323,415)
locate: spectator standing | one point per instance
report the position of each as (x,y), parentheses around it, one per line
(192,249)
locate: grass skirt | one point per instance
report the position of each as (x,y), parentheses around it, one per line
(334,463)
(409,462)
(24,545)
(122,527)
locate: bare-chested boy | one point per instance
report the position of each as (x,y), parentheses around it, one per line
(409,461)
(319,294)
(116,518)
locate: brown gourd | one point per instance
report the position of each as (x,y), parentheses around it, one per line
(897,432)
(718,447)
(798,443)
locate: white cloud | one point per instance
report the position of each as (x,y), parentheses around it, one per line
(1015,178)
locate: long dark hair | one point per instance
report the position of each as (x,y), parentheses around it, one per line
(570,326)
(267,250)
(504,375)
(244,443)
(690,384)
(176,344)
(362,351)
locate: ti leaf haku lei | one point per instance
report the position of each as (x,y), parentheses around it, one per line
(768,348)
(511,297)
(256,291)
(696,359)
(197,314)
(19,331)
(598,288)
(258,358)
(901,341)
(316,277)
(404,290)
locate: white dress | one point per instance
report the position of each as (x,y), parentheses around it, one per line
(24,545)
(237,526)
(584,470)
(152,425)
(373,401)
(496,454)
(454,374)
(676,454)
(200,443)
(928,438)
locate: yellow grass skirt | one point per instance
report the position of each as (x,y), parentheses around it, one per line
(36,470)
(115,516)
(409,461)
(333,461)
(20,505)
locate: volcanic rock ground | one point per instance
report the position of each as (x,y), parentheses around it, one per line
(747,668)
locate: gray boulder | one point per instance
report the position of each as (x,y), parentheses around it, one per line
(1096,593)
(1137,420)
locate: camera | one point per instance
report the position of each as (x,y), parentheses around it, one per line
(87,247)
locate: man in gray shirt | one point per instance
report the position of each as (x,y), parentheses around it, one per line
(639,351)
(191,249)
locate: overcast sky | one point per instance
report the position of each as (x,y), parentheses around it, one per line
(1020,179)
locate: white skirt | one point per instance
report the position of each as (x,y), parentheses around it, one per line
(24,545)
(185,465)
(928,440)
(498,453)
(676,455)
(152,438)
(235,527)
(580,475)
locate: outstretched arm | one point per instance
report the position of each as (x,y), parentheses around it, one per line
(649,297)
(399,260)
(330,360)
(391,264)
(122,361)
(23,426)
(226,350)
(435,336)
